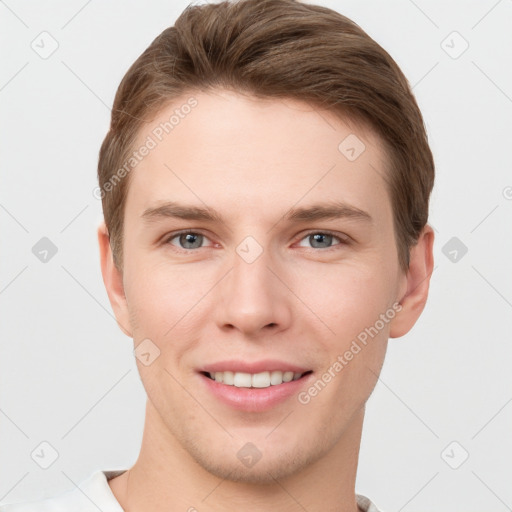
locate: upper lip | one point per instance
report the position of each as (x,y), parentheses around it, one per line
(252,367)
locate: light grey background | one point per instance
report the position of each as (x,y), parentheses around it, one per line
(67,373)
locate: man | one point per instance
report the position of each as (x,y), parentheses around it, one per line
(265,185)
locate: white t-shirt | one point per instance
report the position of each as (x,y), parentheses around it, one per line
(94,494)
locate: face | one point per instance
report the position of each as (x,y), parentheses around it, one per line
(236,280)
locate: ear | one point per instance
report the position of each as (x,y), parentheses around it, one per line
(113,280)
(415,284)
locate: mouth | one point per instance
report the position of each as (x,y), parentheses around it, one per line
(254,387)
(261,380)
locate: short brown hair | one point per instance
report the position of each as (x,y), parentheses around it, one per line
(276,49)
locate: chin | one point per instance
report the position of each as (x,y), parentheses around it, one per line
(269,468)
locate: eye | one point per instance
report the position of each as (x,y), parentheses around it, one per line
(190,240)
(324,239)
(187,240)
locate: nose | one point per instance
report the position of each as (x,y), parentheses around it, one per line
(253,297)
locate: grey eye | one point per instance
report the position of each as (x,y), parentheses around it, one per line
(194,239)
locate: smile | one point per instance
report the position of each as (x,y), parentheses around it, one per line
(263,379)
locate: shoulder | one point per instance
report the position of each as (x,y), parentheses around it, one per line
(90,495)
(364,503)
(72,500)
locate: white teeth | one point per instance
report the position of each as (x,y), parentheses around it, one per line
(276,378)
(242,380)
(287,376)
(256,380)
(229,378)
(261,380)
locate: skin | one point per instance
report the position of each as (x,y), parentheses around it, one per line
(302,301)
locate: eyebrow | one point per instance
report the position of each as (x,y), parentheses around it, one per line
(323,211)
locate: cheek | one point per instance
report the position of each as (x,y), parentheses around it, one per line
(163,298)
(353,351)
(344,298)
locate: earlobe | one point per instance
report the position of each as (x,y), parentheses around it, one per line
(417,283)
(113,280)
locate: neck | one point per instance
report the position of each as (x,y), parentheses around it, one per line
(166,477)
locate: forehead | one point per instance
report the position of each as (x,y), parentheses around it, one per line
(249,156)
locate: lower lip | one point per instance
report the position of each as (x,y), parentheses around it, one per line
(254,399)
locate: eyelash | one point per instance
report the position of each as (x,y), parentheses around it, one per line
(342,240)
